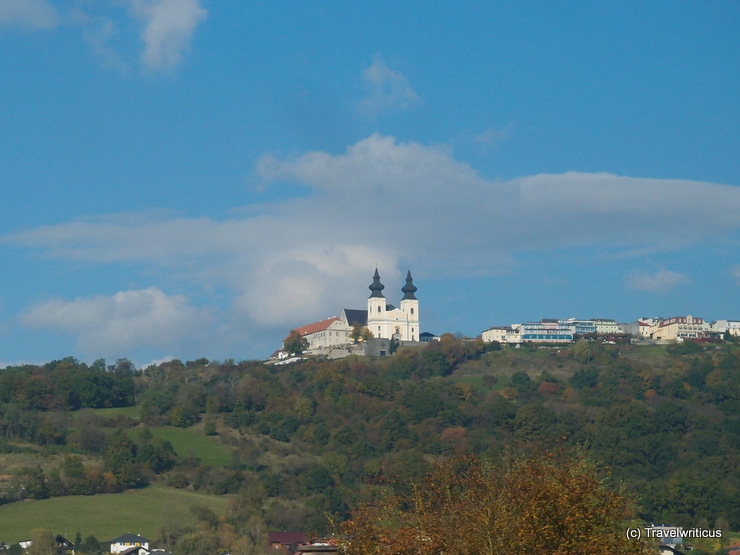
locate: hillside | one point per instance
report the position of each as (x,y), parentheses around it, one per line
(295,444)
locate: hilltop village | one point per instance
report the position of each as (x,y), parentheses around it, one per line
(381,327)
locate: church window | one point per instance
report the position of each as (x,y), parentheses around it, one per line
(412,310)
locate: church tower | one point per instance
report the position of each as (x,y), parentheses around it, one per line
(386,321)
(410,307)
(376,307)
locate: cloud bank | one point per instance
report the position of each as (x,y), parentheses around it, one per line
(122,322)
(381,202)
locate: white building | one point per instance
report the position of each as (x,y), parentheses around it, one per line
(325,334)
(502,334)
(127,541)
(726,326)
(385,321)
(640,328)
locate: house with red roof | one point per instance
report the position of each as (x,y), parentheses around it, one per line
(325,334)
(286,541)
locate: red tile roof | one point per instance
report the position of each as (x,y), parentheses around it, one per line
(318,326)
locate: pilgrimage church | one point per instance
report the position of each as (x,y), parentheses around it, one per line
(384,321)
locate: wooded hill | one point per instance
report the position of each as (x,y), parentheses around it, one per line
(300,445)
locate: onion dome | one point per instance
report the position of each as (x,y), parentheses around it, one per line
(409,289)
(376,287)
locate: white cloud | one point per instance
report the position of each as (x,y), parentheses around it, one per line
(660,282)
(168,27)
(33,14)
(305,283)
(384,202)
(119,323)
(388,90)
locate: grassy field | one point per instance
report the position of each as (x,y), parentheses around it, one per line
(130,412)
(192,442)
(105,516)
(652,352)
(481,383)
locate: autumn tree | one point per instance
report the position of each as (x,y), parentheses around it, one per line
(549,503)
(359,332)
(294,343)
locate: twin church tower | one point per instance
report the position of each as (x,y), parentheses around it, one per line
(385,321)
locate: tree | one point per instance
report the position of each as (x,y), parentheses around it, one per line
(92,545)
(548,503)
(582,352)
(120,459)
(75,479)
(359,332)
(31,482)
(294,344)
(42,543)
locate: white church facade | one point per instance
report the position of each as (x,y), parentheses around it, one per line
(386,321)
(381,319)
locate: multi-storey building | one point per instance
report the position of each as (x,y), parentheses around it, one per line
(606,326)
(640,328)
(548,331)
(325,334)
(502,334)
(679,328)
(581,328)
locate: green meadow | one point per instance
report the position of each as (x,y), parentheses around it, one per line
(129,412)
(105,516)
(193,443)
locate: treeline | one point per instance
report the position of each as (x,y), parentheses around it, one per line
(68,384)
(310,440)
(126,463)
(30,394)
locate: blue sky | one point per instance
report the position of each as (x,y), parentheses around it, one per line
(193,178)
